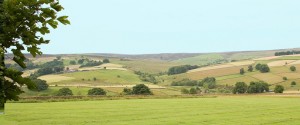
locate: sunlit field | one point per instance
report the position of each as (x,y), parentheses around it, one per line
(245,110)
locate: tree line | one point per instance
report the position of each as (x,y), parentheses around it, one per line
(181,69)
(287,53)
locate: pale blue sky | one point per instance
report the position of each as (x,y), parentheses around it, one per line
(174,26)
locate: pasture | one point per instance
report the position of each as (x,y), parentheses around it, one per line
(223,110)
(102,77)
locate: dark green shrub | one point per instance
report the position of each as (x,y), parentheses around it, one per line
(97,91)
(279,89)
(293,68)
(64,92)
(293,83)
(284,78)
(106,61)
(240,87)
(184,91)
(193,91)
(141,89)
(127,91)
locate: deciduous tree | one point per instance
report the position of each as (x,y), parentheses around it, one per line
(23,23)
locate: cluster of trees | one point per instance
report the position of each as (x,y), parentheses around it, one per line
(287,53)
(51,67)
(254,87)
(185,82)
(208,82)
(139,89)
(194,90)
(263,68)
(181,69)
(91,92)
(91,63)
(40,85)
(146,77)
(23,24)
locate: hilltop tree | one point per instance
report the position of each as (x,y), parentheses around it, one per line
(293,68)
(23,23)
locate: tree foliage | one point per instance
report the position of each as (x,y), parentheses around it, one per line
(141,89)
(23,25)
(250,68)
(146,77)
(208,82)
(97,91)
(278,89)
(242,71)
(293,68)
(292,52)
(106,61)
(181,69)
(41,85)
(263,68)
(258,87)
(240,88)
(64,92)
(185,82)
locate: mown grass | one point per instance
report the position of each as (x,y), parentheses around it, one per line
(246,110)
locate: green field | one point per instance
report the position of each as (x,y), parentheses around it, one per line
(103,77)
(246,110)
(202,59)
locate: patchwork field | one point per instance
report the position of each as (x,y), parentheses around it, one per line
(150,66)
(102,77)
(248,110)
(202,59)
(280,63)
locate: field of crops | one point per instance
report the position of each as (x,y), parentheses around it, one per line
(247,110)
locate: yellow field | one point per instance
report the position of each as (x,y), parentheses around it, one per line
(295,63)
(290,75)
(268,77)
(150,66)
(111,66)
(232,81)
(242,63)
(214,72)
(280,63)
(211,68)
(55,78)
(268,58)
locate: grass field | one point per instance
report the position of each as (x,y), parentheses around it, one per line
(245,110)
(103,77)
(149,66)
(201,60)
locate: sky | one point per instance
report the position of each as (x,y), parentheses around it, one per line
(176,26)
